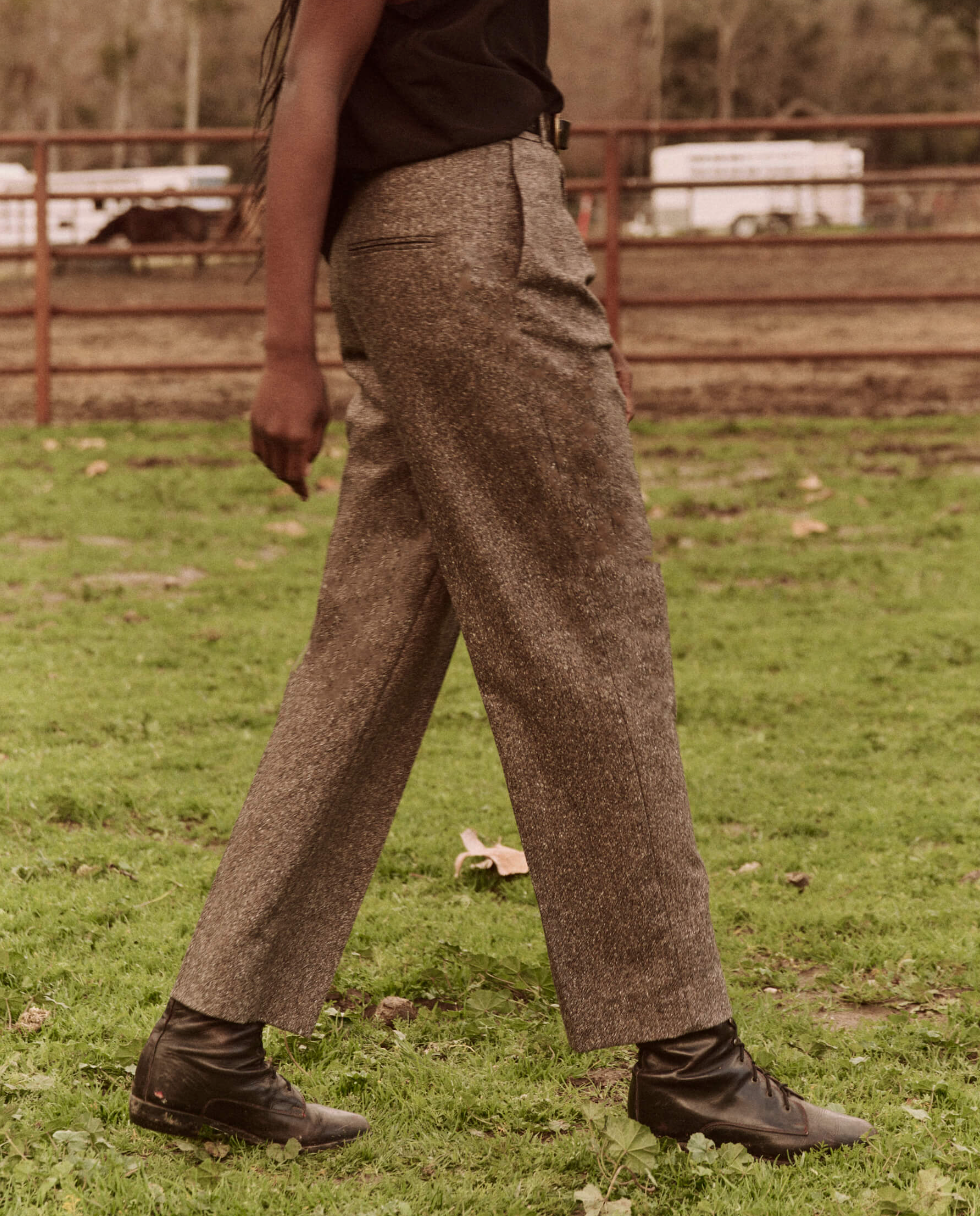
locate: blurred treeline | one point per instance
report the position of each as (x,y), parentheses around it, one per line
(170,63)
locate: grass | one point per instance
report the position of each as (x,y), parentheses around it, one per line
(830,721)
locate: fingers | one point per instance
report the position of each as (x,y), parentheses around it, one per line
(287,459)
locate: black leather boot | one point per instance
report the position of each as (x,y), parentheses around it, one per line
(707,1082)
(198,1073)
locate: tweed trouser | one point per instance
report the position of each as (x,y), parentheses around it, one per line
(490,486)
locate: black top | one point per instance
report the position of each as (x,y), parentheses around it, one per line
(440,76)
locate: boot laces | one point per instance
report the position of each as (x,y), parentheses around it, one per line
(784,1090)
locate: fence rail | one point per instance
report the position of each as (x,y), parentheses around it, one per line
(612,185)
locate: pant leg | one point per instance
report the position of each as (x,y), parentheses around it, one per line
(467,282)
(307,841)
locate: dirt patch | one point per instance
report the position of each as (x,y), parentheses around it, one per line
(601,1078)
(855,387)
(851,1016)
(142,578)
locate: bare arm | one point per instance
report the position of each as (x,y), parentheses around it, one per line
(624,375)
(291,412)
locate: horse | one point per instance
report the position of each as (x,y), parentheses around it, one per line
(140,225)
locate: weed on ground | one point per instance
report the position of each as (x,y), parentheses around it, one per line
(156,587)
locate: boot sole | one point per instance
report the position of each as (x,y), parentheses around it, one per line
(181,1123)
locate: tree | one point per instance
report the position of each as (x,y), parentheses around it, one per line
(729,17)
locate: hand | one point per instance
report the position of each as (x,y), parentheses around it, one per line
(624,375)
(289,417)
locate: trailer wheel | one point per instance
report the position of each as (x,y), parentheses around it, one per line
(745,226)
(778,224)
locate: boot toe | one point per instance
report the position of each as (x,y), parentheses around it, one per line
(834,1129)
(329,1127)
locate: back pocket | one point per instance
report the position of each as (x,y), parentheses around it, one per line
(386,243)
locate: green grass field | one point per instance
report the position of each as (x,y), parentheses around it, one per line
(829,706)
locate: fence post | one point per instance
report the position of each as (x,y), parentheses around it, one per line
(42,289)
(612,191)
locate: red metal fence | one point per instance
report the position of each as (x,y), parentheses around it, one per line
(612,185)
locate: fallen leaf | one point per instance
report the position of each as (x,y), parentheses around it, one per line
(86,871)
(594,1204)
(50,445)
(807,527)
(132,617)
(955,508)
(914,1111)
(218,1151)
(796,878)
(771,991)
(94,444)
(818,495)
(33,1018)
(810,482)
(972,876)
(507,860)
(749,868)
(27,1082)
(282,491)
(286,527)
(96,468)
(484,1001)
(656,513)
(861,501)
(242,564)
(394,1008)
(327,485)
(3,757)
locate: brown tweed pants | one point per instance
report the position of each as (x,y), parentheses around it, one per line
(490,486)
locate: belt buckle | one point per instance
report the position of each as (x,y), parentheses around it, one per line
(558,129)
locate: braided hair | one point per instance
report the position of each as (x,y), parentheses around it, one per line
(272,74)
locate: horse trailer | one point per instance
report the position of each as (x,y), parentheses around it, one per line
(74,221)
(749,209)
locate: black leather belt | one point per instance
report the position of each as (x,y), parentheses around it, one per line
(553,129)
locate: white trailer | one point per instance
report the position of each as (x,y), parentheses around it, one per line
(76,220)
(745,210)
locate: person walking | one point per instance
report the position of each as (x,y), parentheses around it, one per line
(489,488)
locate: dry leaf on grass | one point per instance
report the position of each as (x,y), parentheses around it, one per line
(286,527)
(972,876)
(327,485)
(96,468)
(86,871)
(33,1018)
(818,495)
(50,445)
(749,868)
(507,860)
(796,878)
(810,482)
(95,444)
(808,527)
